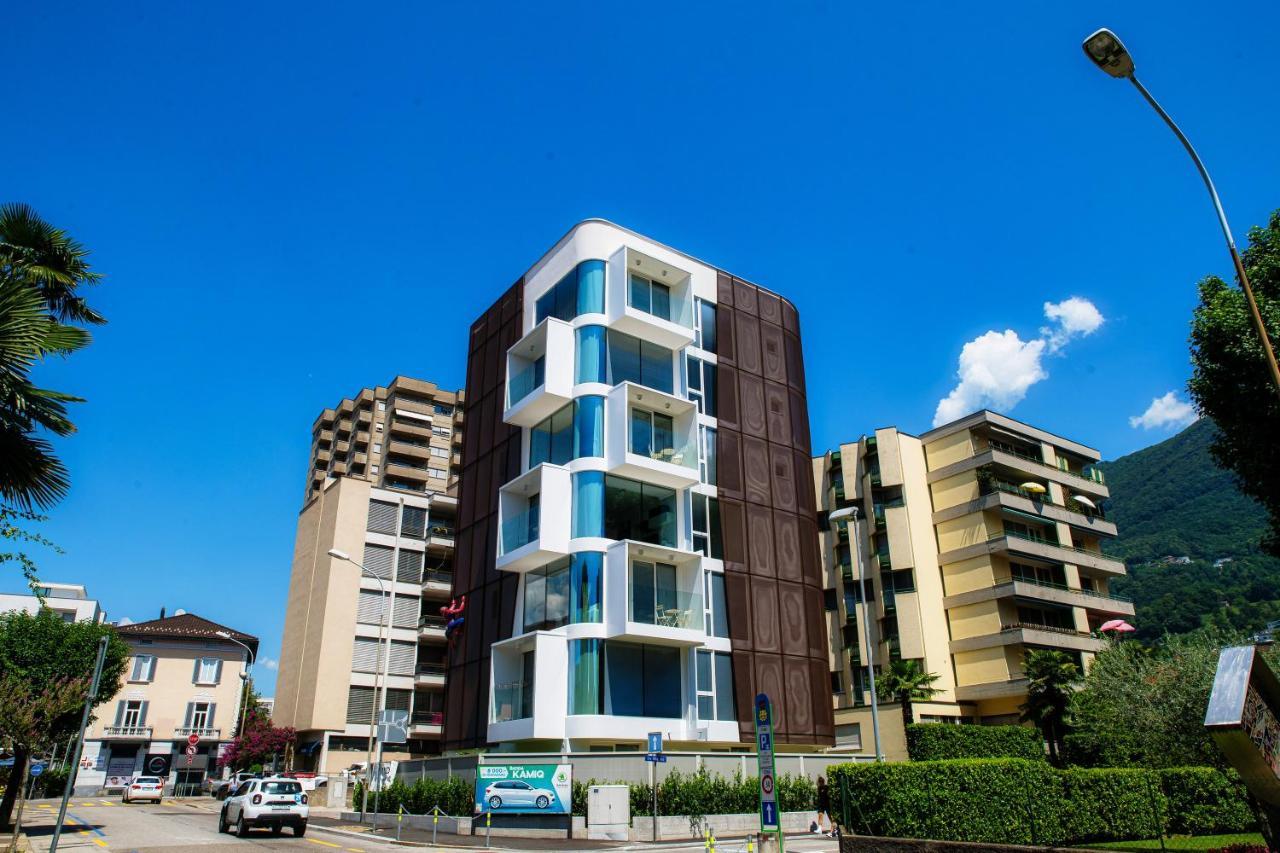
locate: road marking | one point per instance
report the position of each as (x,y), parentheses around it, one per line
(323,843)
(99,842)
(356,849)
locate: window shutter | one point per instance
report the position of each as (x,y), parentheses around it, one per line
(364,655)
(359,705)
(209,716)
(414,522)
(409,567)
(142,714)
(119,713)
(406,612)
(195,672)
(377,561)
(217,672)
(191,710)
(370,607)
(404,658)
(151,668)
(382,517)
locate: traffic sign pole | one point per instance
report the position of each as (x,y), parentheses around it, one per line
(770,817)
(75,761)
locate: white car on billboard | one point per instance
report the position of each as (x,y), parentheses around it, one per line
(514,792)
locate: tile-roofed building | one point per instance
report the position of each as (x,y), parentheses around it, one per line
(187,625)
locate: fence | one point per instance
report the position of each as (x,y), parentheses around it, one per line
(629,767)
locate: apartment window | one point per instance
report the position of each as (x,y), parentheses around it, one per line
(438,473)
(642,680)
(707,455)
(837,683)
(377,447)
(443,409)
(378,426)
(849,734)
(634,360)
(830,602)
(649,296)
(200,716)
(704,325)
(413,522)
(131,714)
(208,671)
(439,451)
(382,517)
(640,511)
(546,597)
(715,686)
(1050,617)
(373,469)
(655,599)
(377,561)
(581,291)
(706,526)
(1044,575)
(409,566)
(653,435)
(701,376)
(382,405)
(144,668)
(442,431)
(573,432)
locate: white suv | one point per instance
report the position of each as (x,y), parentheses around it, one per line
(273,802)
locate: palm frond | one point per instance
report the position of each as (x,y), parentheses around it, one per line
(30,475)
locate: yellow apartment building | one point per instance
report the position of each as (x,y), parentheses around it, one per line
(973,542)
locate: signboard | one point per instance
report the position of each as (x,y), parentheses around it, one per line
(655,741)
(156,764)
(36,769)
(770,819)
(1243,713)
(524,788)
(656,756)
(193,739)
(393,726)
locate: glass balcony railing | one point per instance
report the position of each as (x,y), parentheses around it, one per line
(519,530)
(686,456)
(427,718)
(667,609)
(522,384)
(512,700)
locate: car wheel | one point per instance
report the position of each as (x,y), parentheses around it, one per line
(277,829)
(495,802)
(300,830)
(241,829)
(542,802)
(222,821)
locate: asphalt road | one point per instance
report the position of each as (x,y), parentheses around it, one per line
(95,825)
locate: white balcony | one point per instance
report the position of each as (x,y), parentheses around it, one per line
(666,321)
(654,594)
(652,436)
(540,373)
(528,700)
(534,518)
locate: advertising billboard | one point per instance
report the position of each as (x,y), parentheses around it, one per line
(524,788)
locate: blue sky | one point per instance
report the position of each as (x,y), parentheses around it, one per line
(253,177)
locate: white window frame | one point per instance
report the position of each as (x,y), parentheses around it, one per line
(132,716)
(150,672)
(200,679)
(382,405)
(201,719)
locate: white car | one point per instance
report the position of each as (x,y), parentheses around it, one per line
(513,792)
(143,788)
(274,803)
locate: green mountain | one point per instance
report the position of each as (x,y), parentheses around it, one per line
(1171,500)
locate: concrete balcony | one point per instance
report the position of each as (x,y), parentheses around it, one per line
(1049,593)
(1040,549)
(1031,467)
(431,628)
(205,732)
(534,518)
(1021,633)
(652,455)
(668,324)
(1075,516)
(426,723)
(1013,688)
(645,604)
(416,428)
(128,732)
(429,675)
(437,583)
(540,370)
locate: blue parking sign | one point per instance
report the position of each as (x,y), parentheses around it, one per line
(655,741)
(769,819)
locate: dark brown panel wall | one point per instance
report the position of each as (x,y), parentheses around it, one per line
(773,575)
(490,457)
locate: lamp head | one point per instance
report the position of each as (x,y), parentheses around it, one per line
(1108,53)
(844,513)
(339,555)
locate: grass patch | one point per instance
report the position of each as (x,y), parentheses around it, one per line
(1182,842)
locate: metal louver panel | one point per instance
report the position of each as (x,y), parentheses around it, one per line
(370,608)
(409,567)
(404,657)
(382,517)
(406,612)
(398,700)
(359,705)
(414,523)
(366,656)
(377,561)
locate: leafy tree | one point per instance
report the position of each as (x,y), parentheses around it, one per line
(905,682)
(1231,382)
(28,712)
(43,650)
(1145,706)
(1051,676)
(259,742)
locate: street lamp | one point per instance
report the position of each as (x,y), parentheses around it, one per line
(851,513)
(244,677)
(1106,51)
(377,674)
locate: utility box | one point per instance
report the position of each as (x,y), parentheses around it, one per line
(609,812)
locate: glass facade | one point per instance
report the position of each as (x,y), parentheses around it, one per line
(573,432)
(579,292)
(585,693)
(588,504)
(640,511)
(608,356)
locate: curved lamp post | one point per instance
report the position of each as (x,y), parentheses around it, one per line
(250,657)
(1106,51)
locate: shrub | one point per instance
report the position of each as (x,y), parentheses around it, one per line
(452,795)
(940,742)
(1112,804)
(696,795)
(1206,801)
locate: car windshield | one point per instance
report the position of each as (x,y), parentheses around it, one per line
(281,787)
(148,780)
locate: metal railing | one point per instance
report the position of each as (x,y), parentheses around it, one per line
(437,576)
(1034,626)
(1064,588)
(1053,542)
(429,621)
(128,731)
(431,668)
(427,718)
(202,731)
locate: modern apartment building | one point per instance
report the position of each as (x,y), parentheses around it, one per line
(975,542)
(381,488)
(69,600)
(637,536)
(184,677)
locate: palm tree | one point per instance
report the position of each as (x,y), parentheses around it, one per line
(1051,677)
(906,682)
(41,269)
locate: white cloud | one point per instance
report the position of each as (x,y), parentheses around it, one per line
(997,368)
(269,663)
(1166,411)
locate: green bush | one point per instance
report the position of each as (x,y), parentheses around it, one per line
(697,795)
(1206,801)
(1112,804)
(940,742)
(454,796)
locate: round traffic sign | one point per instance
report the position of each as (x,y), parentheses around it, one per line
(766,783)
(36,769)
(193,739)
(191,750)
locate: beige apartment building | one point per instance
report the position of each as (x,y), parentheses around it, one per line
(184,678)
(381,488)
(974,542)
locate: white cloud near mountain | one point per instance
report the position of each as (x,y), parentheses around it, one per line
(996,369)
(1164,412)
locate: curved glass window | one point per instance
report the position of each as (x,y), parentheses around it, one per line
(588,426)
(611,357)
(585,583)
(593,359)
(588,504)
(585,696)
(581,291)
(572,432)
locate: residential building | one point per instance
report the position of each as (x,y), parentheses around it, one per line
(381,488)
(69,600)
(183,679)
(975,542)
(637,532)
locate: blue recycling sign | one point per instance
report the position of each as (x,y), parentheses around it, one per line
(770,819)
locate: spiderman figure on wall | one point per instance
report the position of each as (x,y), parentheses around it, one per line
(452,612)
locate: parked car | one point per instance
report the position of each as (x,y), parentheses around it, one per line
(274,802)
(513,792)
(143,788)
(221,788)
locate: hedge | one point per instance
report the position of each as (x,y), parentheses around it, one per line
(1017,801)
(454,796)
(941,742)
(700,794)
